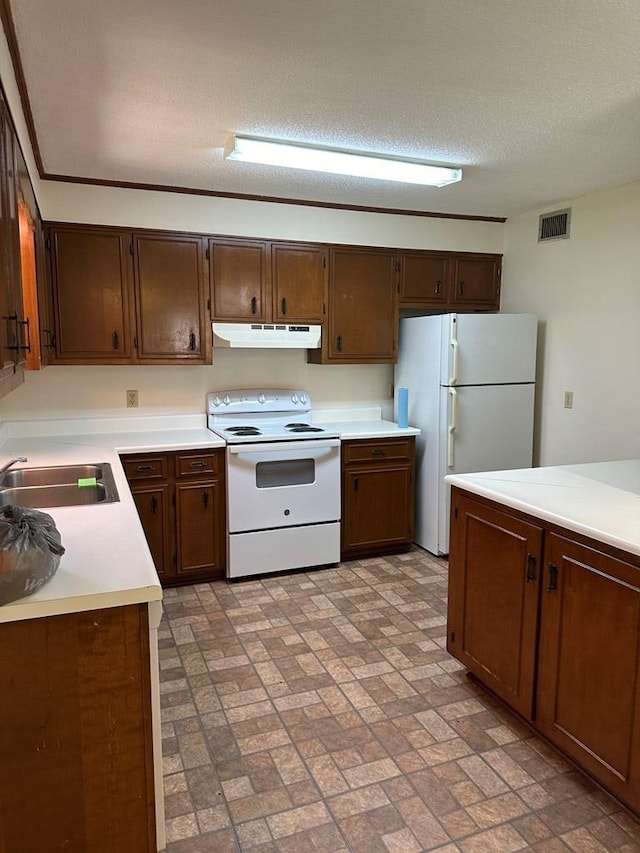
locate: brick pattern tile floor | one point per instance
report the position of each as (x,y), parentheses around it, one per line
(320,711)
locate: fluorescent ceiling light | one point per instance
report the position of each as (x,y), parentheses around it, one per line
(297,156)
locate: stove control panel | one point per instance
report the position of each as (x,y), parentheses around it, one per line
(238,401)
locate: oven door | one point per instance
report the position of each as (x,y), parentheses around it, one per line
(283,484)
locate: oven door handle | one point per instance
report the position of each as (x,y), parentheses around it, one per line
(284,446)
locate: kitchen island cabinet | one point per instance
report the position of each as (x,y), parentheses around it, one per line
(377,496)
(181,501)
(549,618)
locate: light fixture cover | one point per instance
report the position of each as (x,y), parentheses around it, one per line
(299,156)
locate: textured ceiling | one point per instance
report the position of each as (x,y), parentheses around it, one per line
(537,100)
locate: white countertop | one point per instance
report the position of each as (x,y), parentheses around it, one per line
(600,500)
(107,561)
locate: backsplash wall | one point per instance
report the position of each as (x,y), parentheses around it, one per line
(86,391)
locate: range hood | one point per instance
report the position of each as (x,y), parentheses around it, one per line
(267,335)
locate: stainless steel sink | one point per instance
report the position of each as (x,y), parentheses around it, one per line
(58,486)
(54,476)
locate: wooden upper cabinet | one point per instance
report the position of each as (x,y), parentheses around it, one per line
(91,278)
(169,284)
(424,279)
(238,278)
(362,307)
(476,281)
(298,275)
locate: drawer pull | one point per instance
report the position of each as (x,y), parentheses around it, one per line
(378,451)
(192,342)
(205,499)
(553,577)
(254,305)
(356,484)
(197,465)
(339,343)
(154,506)
(284,305)
(145,469)
(438,286)
(115,339)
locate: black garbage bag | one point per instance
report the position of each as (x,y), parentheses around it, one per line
(30,551)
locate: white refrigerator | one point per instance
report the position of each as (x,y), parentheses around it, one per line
(471,381)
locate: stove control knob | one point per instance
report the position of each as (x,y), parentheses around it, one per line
(294,398)
(303,398)
(262,398)
(226,399)
(216,400)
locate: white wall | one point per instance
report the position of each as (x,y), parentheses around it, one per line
(586,292)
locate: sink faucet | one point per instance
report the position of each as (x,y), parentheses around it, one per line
(10,463)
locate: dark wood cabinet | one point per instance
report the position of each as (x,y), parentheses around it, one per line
(298,279)
(377,496)
(181,500)
(588,698)
(264,282)
(75,731)
(92,294)
(120,297)
(362,308)
(450,281)
(550,622)
(476,282)
(238,280)
(493,597)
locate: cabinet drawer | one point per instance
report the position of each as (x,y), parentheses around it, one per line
(381,451)
(149,467)
(194,464)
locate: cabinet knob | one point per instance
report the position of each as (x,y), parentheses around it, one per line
(553,577)
(284,304)
(192,341)
(254,305)
(339,343)
(205,499)
(438,286)
(115,339)
(461,287)
(531,568)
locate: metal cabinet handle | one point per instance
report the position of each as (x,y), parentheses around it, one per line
(143,469)
(12,335)
(26,347)
(115,340)
(254,305)
(553,577)
(438,286)
(192,341)
(356,484)
(461,286)
(154,505)
(205,499)
(284,304)
(49,343)
(197,464)
(378,451)
(531,568)
(339,343)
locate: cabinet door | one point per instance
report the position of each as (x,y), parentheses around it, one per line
(424,278)
(200,511)
(12,356)
(171,312)
(298,274)
(589,668)
(377,508)
(494,579)
(476,282)
(91,271)
(363,306)
(238,276)
(154,508)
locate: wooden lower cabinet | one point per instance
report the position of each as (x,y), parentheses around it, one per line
(378,505)
(550,622)
(76,762)
(181,502)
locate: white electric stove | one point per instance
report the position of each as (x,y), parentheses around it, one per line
(283,481)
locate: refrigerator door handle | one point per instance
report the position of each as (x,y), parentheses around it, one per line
(455,349)
(452,426)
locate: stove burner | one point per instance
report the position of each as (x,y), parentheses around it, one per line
(302,428)
(243,430)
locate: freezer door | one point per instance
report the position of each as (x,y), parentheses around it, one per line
(482,428)
(487,349)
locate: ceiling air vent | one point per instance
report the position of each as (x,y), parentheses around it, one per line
(554,225)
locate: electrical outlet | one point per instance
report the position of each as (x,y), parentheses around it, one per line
(568,399)
(132,399)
